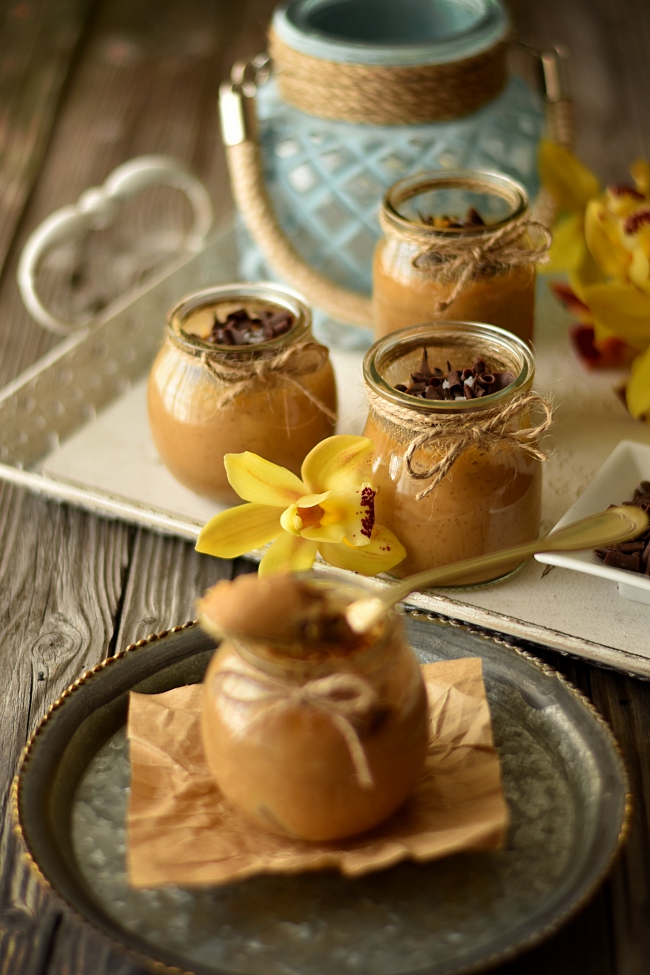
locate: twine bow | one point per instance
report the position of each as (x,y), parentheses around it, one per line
(448,257)
(455,433)
(347,698)
(271,370)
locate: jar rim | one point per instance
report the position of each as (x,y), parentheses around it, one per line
(259,291)
(307,27)
(386,350)
(496,184)
(277,663)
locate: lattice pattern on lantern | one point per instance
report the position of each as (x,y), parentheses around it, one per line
(327,179)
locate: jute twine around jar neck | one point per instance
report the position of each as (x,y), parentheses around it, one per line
(462,258)
(451,434)
(388,95)
(347,699)
(260,371)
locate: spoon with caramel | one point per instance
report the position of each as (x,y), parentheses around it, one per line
(604,528)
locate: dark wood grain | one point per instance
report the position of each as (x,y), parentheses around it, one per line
(61,576)
(609,73)
(37,47)
(85,85)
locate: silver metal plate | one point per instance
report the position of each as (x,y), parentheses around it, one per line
(566,789)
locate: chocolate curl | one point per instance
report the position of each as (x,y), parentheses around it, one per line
(347,698)
(618,560)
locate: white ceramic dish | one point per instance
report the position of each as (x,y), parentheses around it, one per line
(626,466)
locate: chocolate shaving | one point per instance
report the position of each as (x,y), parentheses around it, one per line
(444,222)
(240,328)
(618,560)
(456,384)
(633,555)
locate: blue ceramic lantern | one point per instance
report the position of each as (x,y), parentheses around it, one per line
(365,92)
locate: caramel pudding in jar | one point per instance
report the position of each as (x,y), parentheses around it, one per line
(309,729)
(238,370)
(456,247)
(490,497)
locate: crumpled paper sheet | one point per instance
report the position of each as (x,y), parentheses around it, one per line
(181,830)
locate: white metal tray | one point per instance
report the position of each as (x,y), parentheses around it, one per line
(74,427)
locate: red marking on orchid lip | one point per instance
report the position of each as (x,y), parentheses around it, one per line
(633,223)
(568,297)
(624,189)
(368,502)
(610,353)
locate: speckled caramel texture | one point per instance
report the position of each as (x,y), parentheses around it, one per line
(192,435)
(490,500)
(287,766)
(403,295)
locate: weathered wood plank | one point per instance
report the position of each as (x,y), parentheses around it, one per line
(37,47)
(609,74)
(61,575)
(165,578)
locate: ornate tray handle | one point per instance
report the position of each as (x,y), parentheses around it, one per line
(95,210)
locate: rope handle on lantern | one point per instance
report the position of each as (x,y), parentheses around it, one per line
(239,131)
(240,137)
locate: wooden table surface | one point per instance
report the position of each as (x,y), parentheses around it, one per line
(86,85)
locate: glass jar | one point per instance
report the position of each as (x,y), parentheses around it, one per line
(490,498)
(413,279)
(315,740)
(207,400)
(326,177)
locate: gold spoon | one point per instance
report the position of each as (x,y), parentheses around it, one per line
(604,528)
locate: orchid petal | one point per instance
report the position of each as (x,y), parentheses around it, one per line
(239,530)
(640,172)
(587,272)
(568,247)
(258,480)
(576,308)
(637,394)
(333,533)
(381,553)
(338,463)
(640,270)
(288,552)
(602,233)
(621,310)
(354,511)
(568,180)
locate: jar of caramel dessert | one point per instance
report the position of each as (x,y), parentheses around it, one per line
(456,428)
(457,246)
(311,730)
(238,370)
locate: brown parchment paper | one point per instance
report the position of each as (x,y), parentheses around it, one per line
(181,830)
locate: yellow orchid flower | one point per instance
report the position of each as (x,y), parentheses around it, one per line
(330,510)
(570,182)
(640,173)
(637,392)
(603,235)
(620,309)
(572,186)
